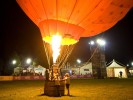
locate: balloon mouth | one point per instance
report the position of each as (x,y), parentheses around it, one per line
(70,33)
(65,40)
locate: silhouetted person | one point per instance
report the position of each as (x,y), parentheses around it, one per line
(120,74)
(57,85)
(47,74)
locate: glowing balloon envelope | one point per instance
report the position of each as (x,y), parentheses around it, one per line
(73,19)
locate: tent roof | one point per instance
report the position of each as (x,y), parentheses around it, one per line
(114,64)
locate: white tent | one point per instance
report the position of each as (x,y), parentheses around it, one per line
(17,70)
(40,69)
(37,69)
(86,69)
(31,67)
(114,68)
(83,69)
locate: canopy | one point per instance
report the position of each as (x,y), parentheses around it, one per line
(114,69)
(114,65)
(73,19)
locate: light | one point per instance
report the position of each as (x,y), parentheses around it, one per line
(70,71)
(132,63)
(56,43)
(14,62)
(127,64)
(78,61)
(91,42)
(28,61)
(101,42)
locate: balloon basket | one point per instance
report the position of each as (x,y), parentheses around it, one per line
(50,89)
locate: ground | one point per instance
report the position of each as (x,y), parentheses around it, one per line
(80,89)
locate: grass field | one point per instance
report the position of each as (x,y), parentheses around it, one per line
(80,89)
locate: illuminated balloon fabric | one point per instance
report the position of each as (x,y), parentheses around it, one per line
(74,18)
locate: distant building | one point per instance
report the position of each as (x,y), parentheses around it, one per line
(86,69)
(31,70)
(83,69)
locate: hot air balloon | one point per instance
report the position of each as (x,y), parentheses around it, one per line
(73,19)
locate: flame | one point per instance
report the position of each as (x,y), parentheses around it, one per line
(56,43)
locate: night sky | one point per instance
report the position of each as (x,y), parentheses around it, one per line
(20,35)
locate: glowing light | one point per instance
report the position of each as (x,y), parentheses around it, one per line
(132,63)
(70,71)
(78,61)
(91,42)
(56,43)
(101,42)
(64,41)
(14,62)
(28,61)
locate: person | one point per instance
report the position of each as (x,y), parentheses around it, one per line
(47,74)
(120,74)
(57,85)
(67,82)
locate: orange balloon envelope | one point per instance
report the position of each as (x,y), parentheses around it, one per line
(73,19)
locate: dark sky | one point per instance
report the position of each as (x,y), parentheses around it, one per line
(19,34)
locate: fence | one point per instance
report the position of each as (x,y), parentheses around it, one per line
(10,78)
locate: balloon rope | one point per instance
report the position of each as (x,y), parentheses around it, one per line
(46,51)
(67,55)
(91,55)
(93,52)
(63,55)
(71,49)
